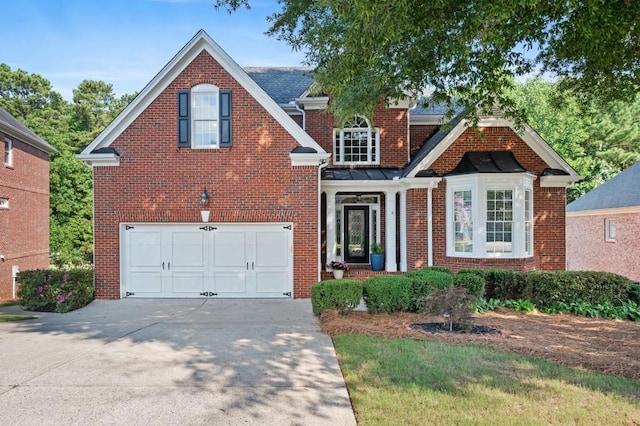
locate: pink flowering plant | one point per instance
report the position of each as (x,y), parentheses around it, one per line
(338,264)
(55,290)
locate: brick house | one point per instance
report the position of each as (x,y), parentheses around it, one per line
(603,226)
(218,181)
(24,201)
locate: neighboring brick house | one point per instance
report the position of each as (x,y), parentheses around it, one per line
(603,227)
(282,191)
(24,201)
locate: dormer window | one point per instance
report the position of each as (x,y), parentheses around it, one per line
(357,143)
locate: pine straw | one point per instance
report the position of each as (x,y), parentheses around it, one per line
(606,346)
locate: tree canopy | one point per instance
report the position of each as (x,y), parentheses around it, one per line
(465,51)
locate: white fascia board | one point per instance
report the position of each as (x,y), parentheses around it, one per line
(308,159)
(201,41)
(314,103)
(420,182)
(99,160)
(426,120)
(558,181)
(606,212)
(379,185)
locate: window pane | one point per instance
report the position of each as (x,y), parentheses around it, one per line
(356,143)
(462,221)
(205,133)
(499,221)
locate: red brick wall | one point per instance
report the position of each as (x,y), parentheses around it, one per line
(549,208)
(24,227)
(393,126)
(253,181)
(588,250)
(419,135)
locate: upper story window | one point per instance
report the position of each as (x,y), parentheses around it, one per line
(357,143)
(4,203)
(8,152)
(490,215)
(204,117)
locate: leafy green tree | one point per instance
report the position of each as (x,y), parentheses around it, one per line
(468,50)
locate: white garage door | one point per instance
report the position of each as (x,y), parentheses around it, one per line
(207,260)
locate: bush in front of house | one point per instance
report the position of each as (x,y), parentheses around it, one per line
(505,284)
(454,303)
(634,293)
(387,293)
(474,283)
(343,295)
(55,290)
(424,281)
(548,289)
(439,268)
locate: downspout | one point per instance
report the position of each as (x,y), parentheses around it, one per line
(304,116)
(321,165)
(430,225)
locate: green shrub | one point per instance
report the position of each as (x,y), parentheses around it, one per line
(484,305)
(634,293)
(505,284)
(520,305)
(547,289)
(472,282)
(477,271)
(454,303)
(423,282)
(55,290)
(342,295)
(387,293)
(438,268)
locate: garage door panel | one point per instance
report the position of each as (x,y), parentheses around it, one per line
(146,282)
(145,249)
(230,282)
(229,249)
(185,282)
(272,249)
(187,249)
(271,283)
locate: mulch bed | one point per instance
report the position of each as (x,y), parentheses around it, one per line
(607,346)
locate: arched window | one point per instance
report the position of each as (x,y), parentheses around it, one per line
(357,143)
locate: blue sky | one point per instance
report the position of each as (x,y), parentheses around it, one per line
(127,42)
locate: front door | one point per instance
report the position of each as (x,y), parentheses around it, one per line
(356,234)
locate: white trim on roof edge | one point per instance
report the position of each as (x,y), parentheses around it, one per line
(201,41)
(527,134)
(605,212)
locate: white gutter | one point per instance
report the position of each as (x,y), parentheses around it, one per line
(430,226)
(321,165)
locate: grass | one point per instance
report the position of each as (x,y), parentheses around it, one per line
(9,318)
(418,382)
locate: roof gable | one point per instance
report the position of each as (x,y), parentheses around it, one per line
(446,136)
(200,42)
(622,190)
(12,126)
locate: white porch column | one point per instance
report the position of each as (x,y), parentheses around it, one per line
(331,225)
(430,225)
(391,263)
(403,230)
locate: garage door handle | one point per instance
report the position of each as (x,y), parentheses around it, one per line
(163,266)
(247,266)
(169,266)
(252,266)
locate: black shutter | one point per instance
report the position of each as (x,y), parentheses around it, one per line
(225,118)
(184,121)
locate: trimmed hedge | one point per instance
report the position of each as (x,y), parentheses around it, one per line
(55,291)
(474,283)
(547,289)
(505,284)
(387,293)
(343,295)
(634,293)
(423,282)
(446,269)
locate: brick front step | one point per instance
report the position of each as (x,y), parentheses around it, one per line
(358,273)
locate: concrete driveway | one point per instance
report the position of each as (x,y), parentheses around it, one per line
(178,361)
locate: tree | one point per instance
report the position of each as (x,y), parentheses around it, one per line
(597,140)
(467,51)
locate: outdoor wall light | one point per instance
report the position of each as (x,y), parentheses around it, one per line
(204,197)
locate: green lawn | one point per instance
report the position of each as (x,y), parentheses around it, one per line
(419,382)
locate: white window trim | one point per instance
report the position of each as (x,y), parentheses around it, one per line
(607,230)
(479,184)
(200,89)
(373,144)
(4,203)
(8,147)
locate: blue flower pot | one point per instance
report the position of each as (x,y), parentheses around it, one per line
(377,261)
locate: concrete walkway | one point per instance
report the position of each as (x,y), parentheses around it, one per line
(179,361)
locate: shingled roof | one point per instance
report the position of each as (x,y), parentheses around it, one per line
(284,85)
(622,190)
(14,127)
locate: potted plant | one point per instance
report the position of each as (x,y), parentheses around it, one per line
(376,256)
(338,267)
